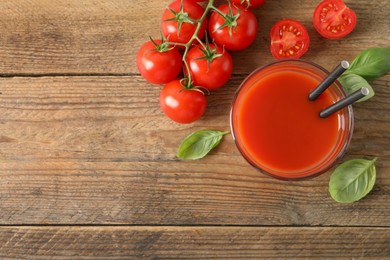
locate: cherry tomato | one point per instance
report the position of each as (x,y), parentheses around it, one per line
(289,39)
(182,105)
(249,3)
(240,30)
(157,63)
(181,30)
(210,66)
(333,19)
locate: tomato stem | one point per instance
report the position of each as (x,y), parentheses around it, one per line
(215,9)
(210,6)
(177,44)
(230,19)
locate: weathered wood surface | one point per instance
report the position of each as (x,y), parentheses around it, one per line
(102,37)
(194,242)
(98,150)
(83,142)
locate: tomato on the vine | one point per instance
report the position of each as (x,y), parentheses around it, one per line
(178,24)
(180,104)
(289,39)
(236,30)
(158,63)
(249,3)
(211,66)
(333,19)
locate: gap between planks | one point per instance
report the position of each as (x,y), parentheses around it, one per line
(193,226)
(23,75)
(28,75)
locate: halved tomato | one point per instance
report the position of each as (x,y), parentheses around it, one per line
(289,39)
(333,19)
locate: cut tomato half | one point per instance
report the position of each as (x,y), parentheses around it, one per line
(333,19)
(289,39)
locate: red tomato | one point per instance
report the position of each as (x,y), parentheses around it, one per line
(211,67)
(241,27)
(158,66)
(289,39)
(249,3)
(333,19)
(182,105)
(170,29)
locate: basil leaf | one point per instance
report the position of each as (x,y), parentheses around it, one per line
(371,63)
(198,144)
(353,82)
(352,180)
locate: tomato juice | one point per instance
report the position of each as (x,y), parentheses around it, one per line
(279,131)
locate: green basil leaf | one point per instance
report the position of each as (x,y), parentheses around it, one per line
(352,180)
(198,144)
(371,63)
(353,82)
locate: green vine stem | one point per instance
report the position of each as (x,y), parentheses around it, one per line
(210,6)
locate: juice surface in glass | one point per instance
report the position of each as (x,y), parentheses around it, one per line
(279,131)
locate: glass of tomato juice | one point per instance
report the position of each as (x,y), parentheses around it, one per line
(278,129)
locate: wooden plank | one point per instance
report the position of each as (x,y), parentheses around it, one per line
(215,191)
(84,117)
(102,37)
(98,150)
(193,242)
(44,36)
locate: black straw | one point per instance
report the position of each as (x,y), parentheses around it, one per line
(343,66)
(349,100)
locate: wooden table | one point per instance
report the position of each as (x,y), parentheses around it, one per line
(87,159)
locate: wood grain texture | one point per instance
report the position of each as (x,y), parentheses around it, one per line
(102,37)
(193,243)
(98,150)
(83,142)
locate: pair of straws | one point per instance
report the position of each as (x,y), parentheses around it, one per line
(348,100)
